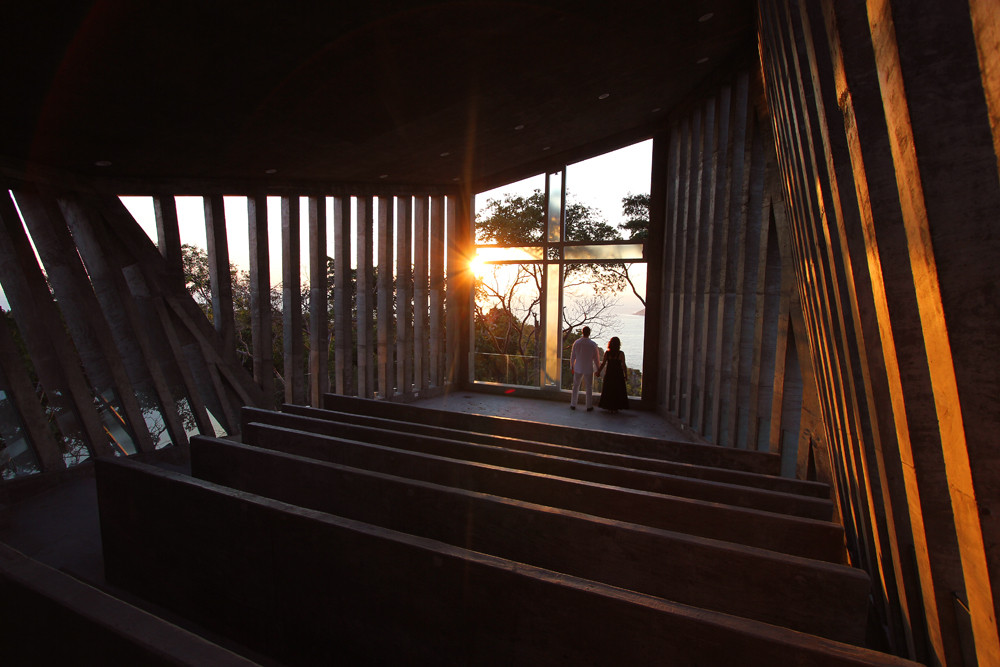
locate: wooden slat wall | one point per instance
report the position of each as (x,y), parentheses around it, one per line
(885,122)
(138,336)
(724,277)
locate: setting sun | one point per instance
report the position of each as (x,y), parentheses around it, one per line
(478,266)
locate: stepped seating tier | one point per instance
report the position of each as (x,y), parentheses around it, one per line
(602,441)
(809,538)
(706,472)
(379,533)
(554,462)
(306,587)
(799,593)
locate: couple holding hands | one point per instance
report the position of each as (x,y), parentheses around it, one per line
(584,358)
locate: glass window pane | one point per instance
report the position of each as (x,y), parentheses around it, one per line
(498,254)
(507,322)
(554,207)
(604,252)
(602,194)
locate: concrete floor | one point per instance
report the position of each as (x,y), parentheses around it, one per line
(61,526)
(636,422)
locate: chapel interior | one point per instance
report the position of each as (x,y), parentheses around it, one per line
(807,473)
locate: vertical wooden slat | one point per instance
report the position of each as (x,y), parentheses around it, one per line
(291,301)
(404,295)
(688,139)
(459,291)
(319,326)
(731,280)
(686,326)
(344,363)
(260,297)
(705,231)
(386,316)
(711,365)
(437,285)
(421,348)
(219,273)
(366,344)
(669,270)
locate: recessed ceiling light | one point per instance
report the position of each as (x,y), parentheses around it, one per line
(546,148)
(519,127)
(455,179)
(103,163)
(701,61)
(445,154)
(656,110)
(604,96)
(705,17)
(270,171)
(383,176)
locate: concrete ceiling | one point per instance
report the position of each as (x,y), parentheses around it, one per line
(423,93)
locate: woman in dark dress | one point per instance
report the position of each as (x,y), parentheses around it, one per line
(614,396)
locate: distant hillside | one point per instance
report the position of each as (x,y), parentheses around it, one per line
(641,311)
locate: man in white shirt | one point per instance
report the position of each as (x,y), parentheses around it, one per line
(584,360)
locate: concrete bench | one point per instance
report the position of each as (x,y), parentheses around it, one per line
(578,451)
(798,536)
(306,587)
(619,443)
(562,466)
(806,595)
(49,618)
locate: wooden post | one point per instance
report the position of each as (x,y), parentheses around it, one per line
(319,337)
(260,297)
(219,273)
(386,316)
(404,295)
(344,361)
(168,236)
(366,343)
(291,300)
(421,349)
(437,283)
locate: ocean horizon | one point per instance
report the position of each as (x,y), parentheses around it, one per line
(630,328)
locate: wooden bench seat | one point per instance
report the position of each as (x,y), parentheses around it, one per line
(807,595)
(620,443)
(578,451)
(50,618)
(808,538)
(562,466)
(306,587)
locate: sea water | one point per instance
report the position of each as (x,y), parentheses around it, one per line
(631,330)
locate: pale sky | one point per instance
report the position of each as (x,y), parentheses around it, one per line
(600,182)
